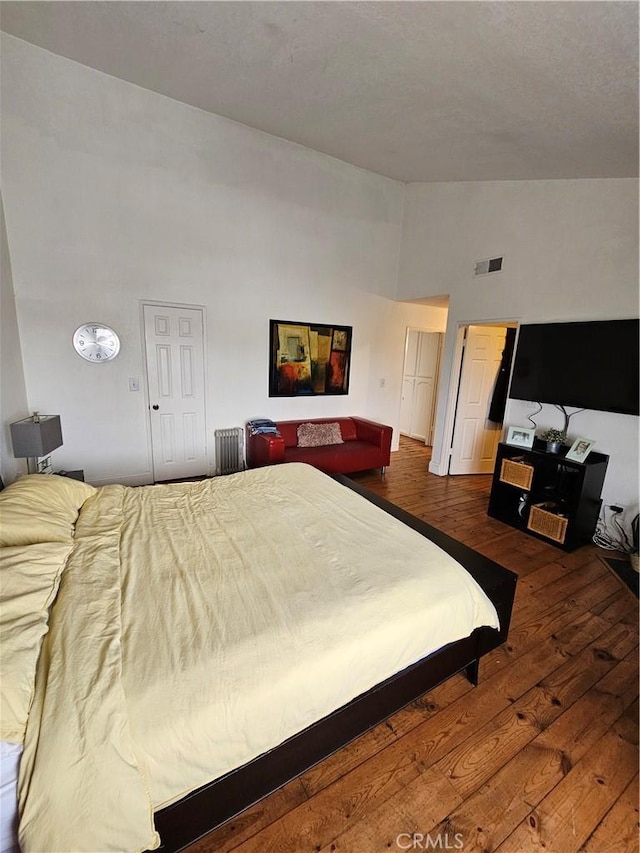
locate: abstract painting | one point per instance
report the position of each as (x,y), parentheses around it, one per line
(309,359)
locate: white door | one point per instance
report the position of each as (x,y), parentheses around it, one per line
(174,341)
(475,438)
(422,354)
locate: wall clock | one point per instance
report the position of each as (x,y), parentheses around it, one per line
(96,342)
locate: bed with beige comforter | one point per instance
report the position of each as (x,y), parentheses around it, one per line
(182,630)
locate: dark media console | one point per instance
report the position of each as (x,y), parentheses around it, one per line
(546,495)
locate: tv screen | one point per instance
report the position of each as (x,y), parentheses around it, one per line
(590,365)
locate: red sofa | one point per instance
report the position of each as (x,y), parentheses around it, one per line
(366,444)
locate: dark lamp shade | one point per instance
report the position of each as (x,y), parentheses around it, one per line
(36,438)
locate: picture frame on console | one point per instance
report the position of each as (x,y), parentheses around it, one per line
(520,436)
(580,449)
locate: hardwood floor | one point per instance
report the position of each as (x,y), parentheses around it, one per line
(542,755)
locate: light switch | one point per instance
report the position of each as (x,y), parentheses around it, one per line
(134,384)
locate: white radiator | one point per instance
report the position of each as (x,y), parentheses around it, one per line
(229,450)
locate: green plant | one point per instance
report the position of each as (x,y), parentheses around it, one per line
(553,435)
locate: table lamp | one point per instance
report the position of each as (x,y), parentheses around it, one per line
(35,437)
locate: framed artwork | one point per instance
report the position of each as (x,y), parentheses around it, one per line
(520,436)
(308,359)
(580,449)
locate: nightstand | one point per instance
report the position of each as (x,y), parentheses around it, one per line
(74,475)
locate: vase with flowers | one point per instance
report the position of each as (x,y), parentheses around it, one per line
(554,439)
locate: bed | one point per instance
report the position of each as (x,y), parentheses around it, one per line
(193,646)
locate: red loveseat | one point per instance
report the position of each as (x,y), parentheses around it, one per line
(365,444)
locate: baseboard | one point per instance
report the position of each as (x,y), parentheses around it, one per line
(436,468)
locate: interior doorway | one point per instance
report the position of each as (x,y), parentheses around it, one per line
(419,383)
(485,367)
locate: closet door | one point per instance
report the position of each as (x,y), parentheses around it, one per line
(174,343)
(422,355)
(408,380)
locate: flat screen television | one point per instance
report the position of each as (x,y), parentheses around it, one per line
(592,365)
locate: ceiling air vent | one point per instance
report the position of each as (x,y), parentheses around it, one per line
(488,266)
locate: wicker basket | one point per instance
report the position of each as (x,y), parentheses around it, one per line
(516,472)
(546,522)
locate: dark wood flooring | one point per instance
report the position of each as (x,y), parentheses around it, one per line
(541,756)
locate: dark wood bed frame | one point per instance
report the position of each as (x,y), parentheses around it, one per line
(183,822)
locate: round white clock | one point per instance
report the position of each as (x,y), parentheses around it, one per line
(96,342)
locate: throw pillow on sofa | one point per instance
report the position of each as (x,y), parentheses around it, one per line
(317,435)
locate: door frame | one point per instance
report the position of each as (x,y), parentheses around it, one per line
(157,303)
(442,468)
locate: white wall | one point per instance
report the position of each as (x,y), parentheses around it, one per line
(571,253)
(13,394)
(115,194)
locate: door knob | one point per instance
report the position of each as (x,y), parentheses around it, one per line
(155,407)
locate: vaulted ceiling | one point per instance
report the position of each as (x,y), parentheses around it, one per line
(417,91)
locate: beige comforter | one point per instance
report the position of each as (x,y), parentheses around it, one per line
(198,625)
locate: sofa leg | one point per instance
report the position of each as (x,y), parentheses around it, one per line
(383,471)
